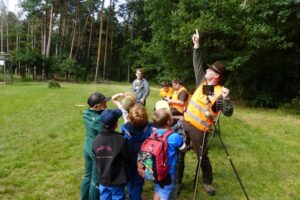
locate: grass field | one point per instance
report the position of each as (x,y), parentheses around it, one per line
(42,137)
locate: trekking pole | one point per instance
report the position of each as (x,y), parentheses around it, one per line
(213,132)
(198,168)
(230,160)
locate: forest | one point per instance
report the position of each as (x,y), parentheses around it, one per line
(86,41)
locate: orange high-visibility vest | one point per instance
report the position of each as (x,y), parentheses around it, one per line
(179,107)
(195,113)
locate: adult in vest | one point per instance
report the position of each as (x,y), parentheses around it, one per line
(140,87)
(203,107)
(177,105)
(166,91)
(179,99)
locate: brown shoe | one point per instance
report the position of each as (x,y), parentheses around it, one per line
(209,189)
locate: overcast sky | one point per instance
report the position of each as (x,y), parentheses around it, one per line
(11,5)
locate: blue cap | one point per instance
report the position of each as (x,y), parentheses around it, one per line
(110,117)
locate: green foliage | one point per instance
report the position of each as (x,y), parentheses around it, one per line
(53,84)
(293,107)
(257,40)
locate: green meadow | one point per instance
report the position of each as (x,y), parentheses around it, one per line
(42,137)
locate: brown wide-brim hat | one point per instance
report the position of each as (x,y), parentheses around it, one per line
(218,67)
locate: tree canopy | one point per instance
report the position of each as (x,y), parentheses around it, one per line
(82,40)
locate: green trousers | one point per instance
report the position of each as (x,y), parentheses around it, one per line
(89,185)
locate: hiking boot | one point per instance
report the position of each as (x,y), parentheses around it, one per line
(209,189)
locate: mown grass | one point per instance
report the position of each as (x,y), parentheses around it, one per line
(42,137)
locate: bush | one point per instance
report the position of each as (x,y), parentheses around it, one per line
(293,107)
(53,84)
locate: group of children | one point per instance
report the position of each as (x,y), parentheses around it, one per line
(116,153)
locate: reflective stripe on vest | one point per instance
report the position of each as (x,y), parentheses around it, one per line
(179,107)
(195,113)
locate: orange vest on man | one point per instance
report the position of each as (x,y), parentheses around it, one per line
(198,106)
(175,97)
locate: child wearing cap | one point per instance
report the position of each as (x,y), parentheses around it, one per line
(111,151)
(126,103)
(91,117)
(136,130)
(163,121)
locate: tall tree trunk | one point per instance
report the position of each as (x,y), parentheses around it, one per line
(32,33)
(111,37)
(90,38)
(50,32)
(73,39)
(106,41)
(43,36)
(74,28)
(99,41)
(63,36)
(58,36)
(7,40)
(129,64)
(81,36)
(1,29)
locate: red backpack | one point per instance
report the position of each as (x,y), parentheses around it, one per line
(152,160)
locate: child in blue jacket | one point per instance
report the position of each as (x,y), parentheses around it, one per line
(136,131)
(163,121)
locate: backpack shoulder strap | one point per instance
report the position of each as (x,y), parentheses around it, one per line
(167,134)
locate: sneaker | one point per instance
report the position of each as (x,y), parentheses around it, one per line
(209,189)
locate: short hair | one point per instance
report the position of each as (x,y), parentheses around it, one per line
(165,84)
(161,117)
(138,116)
(176,81)
(140,70)
(128,101)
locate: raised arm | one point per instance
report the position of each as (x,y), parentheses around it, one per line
(115,101)
(197,59)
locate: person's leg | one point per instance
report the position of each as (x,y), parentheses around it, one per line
(135,187)
(105,193)
(93,191)
(207,174)
(86,179)
(196,137)
(165,192)
(118,192)
(178,176)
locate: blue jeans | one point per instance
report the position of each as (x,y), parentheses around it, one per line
(135,187)
(165,192)
(112,192)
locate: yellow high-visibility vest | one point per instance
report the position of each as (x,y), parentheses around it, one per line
(195,113)
(164,94)
(179,107)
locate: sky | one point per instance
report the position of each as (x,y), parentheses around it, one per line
(12,5)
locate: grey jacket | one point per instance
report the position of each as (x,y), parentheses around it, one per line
(141,89)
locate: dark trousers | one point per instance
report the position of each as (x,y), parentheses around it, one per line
(196,137)
(89,185)
(178,176)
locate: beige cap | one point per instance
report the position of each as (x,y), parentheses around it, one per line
(162,105)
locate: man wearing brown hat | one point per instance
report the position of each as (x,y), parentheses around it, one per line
(209,99)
